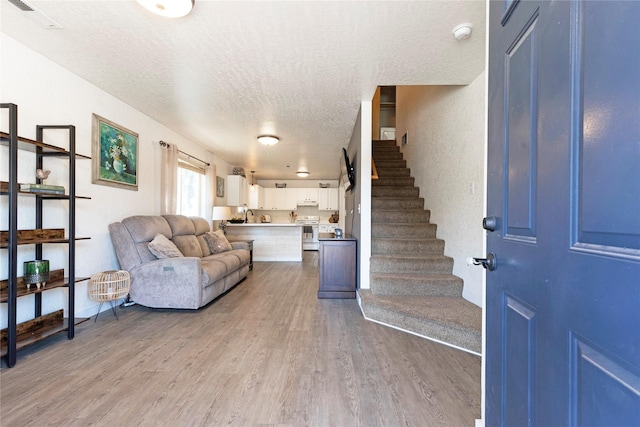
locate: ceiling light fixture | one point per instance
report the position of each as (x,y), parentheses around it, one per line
(302,174)
(268,139)
(168,8)
(462,31)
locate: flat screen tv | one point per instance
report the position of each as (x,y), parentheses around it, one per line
(348,176)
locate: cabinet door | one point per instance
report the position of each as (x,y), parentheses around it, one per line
(256,197)
(286,199)
(328,199)
(236,190)
(307,195)
(270,199)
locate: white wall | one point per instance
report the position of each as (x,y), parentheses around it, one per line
(445,151)
(49,94)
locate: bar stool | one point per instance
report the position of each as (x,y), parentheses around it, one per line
(109,286)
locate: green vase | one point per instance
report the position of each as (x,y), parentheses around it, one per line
(36,272)
(118,166)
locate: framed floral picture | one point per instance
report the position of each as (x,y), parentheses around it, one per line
(114,155)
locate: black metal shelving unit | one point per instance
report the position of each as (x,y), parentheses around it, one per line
(18,336)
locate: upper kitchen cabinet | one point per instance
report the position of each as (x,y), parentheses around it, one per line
(282,199)
(328,199)
(256,197)
(306,196)
(237,190)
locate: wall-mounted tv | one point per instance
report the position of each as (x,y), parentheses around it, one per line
(347,176)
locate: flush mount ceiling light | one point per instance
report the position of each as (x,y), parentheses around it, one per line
(168,8)
(268,139)
(302,174)
(462,31)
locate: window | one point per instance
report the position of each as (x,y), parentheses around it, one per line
(191,186)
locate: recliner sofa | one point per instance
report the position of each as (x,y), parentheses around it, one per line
(187,282)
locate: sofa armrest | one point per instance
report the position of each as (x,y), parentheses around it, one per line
(168,283)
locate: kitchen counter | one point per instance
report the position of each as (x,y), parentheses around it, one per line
(271,242)
(263,224)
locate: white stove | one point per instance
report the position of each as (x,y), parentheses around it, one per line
(309,232)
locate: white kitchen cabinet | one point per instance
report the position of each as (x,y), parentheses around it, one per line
(256,197)
(328,199)
(306,196)
(237,190)
(282,199)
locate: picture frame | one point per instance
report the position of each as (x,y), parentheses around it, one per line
(219,186)
(114,154)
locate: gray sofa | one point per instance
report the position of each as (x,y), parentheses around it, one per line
(188,282)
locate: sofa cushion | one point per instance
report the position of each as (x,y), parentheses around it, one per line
(162,247)
(188,245)
(219,265)
(217,242)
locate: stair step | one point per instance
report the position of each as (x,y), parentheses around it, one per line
(396,203)
(394,181)
(451,320)
(416,284)
(412,246)
(387,155)
(390,172)
(429,264)
(384,149)
(396,164)
(381,191)
(418,230)
(384,143)
(400,216)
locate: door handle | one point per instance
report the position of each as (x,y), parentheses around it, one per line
(489,262)
(490,223)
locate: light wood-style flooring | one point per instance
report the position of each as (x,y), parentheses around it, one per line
(266,353)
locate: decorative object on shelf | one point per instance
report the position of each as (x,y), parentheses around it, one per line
(36,272)
(238,171)
(283,185)
(109,286)
(268,139)
(334,218)
(42,175)
(219,186)
(114,155)
(42,188)
(327,185)
(222,214)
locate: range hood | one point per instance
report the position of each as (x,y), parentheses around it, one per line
(307,203)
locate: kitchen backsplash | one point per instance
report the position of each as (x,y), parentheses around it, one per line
(282,217)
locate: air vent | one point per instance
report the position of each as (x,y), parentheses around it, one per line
(35,15)
(21,5)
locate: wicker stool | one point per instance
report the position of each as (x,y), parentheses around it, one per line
(109,286)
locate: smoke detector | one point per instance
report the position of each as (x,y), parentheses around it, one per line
(462,31)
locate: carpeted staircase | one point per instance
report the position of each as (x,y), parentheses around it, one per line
(412,285)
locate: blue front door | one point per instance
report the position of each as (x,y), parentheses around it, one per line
(563,302)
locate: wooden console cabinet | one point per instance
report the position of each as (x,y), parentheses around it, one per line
(338,266)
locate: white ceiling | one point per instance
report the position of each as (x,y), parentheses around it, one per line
(232,70)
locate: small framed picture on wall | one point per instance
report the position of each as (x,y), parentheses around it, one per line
(219,186)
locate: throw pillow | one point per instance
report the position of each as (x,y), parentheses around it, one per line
(162,247)
(217,242)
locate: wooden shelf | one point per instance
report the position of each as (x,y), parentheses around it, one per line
(30,145)
(23,291)
(38,329)
(4,245)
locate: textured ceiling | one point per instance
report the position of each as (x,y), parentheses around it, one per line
(232,70)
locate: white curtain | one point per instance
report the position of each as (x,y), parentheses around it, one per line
(169,180)
(210,190)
